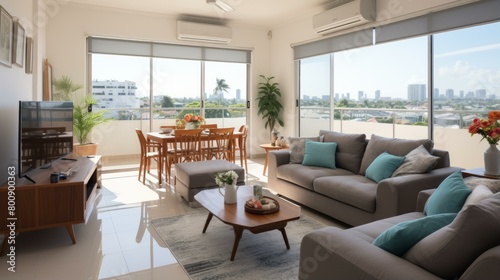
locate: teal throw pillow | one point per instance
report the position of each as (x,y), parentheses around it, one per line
(449,196)
(383,166)
(399,238)
(320,154)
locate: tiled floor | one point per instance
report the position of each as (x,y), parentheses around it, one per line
(117,242)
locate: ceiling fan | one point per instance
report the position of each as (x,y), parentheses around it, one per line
(221,5)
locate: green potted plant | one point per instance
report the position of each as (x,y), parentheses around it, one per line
(269,104)
(84,118)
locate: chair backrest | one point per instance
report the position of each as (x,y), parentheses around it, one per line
(187,144)
(142,140)
(208,125)
(244,133)
(168,126)
(220,141)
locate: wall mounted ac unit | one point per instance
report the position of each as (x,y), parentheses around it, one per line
(203,32)
(347,14)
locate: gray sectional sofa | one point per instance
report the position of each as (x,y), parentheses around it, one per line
(466,249)
(344,192)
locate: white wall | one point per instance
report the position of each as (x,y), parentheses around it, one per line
(15,84)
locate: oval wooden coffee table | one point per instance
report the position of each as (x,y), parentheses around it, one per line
(236,216)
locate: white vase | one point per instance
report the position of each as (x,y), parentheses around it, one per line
(229,194)
(492,160)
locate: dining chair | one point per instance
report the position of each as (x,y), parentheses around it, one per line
(186,147)
(168,126)
(243,149)
(219,144)
(208,125)
(149,151)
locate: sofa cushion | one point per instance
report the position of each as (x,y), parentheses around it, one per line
(350,148)
(449,251)
(320,154)
(416,162)
(479,193)
(395,146)
(400,238)
(297,147)
(449,196)
(383,166)
(304,176)
(355,190)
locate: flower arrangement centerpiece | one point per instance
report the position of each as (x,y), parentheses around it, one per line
(226,178)
(190,121)
(488,128)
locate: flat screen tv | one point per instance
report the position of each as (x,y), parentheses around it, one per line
(45,133)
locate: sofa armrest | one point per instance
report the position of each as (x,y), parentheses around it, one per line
(279,157)
(422,198)
(276,158)
(485,267)
(332,253)
(398,195)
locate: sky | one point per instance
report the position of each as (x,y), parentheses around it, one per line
(176,78)
(460,64)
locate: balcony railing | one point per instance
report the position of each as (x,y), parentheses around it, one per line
(450,128)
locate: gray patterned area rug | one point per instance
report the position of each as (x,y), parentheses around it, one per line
(259,256)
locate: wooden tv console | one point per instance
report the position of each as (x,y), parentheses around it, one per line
(44,204)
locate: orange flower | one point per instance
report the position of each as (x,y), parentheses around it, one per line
(489,128)
(494,116)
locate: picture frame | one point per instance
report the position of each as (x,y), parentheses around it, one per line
(29,55)
(6,29)
(18,45)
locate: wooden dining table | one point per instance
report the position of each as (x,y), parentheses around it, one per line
(164,139)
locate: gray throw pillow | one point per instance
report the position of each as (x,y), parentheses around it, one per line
(297,147)
(394,146)
(416,162)
(472,182)
(449,251)
(350,148)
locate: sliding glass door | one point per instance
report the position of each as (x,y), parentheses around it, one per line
(146,85)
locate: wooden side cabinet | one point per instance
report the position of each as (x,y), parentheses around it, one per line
(44,204)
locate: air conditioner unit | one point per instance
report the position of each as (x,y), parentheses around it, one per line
(346,14)
(203,32)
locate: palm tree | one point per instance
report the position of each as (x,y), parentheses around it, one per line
(221,87)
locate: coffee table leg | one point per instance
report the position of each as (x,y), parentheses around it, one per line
(238,232)
(283,232)
(209,218)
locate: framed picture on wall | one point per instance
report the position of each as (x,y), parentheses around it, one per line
(5,37)
(18,45)
(29,55)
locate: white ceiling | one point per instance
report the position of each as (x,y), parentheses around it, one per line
(267,13)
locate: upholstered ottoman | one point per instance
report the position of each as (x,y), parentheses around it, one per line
(193,177)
